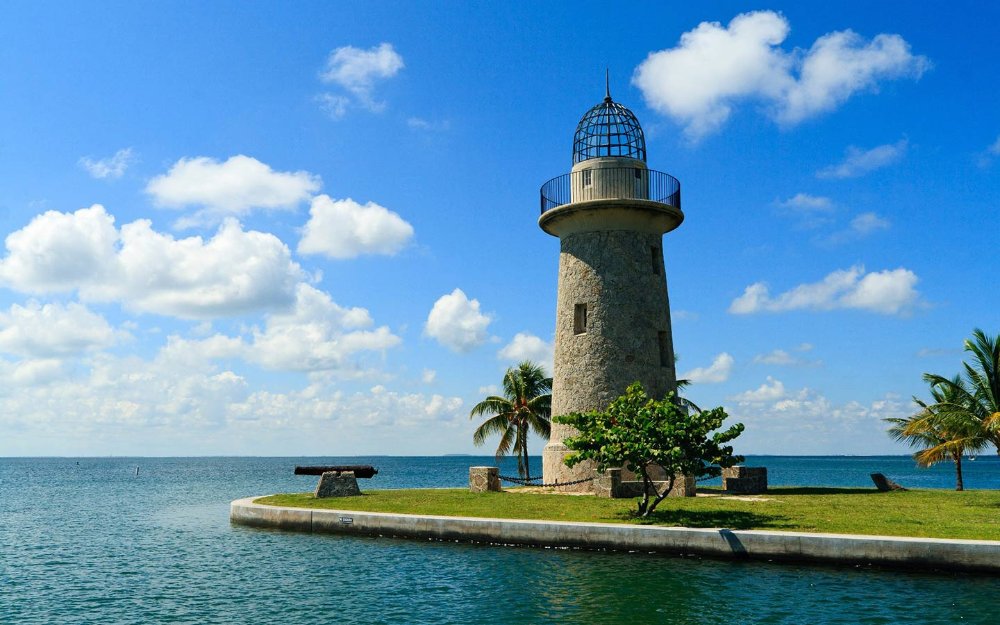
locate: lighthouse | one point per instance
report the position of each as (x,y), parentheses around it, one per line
(610,213)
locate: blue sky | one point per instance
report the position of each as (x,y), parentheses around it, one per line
(234,228)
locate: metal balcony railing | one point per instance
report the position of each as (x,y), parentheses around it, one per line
(611,183)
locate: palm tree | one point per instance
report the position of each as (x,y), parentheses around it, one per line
(941,434)
(526,405)
(977,401)
(682,384)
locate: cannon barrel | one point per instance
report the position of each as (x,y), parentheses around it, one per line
(360,470)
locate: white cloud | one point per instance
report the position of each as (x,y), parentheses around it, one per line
(129,403)
(781,358)
(428,376)
(867,223)
(346,229)
(358,70)
(456,322)
(863,225)
(53,330)
(888,292)
(233,187)
(317,335)
(803,202)
(771,390)
(234,272)
(334,105)
(111,167)
(61,251)
(806,422)
(525,346)
(776,357)
(713,68)
(811,211)
(718,371)
(858,162)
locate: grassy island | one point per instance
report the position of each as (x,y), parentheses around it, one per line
(916,513)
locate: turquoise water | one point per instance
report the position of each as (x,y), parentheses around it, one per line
(87,541)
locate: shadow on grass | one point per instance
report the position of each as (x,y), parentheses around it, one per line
(732,519)
(816,490)
(801,490)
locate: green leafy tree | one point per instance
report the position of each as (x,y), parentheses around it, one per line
(638,433)
(974,401)
(526,406)
(940,435)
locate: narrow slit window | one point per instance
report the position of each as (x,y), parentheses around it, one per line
(580,319)
(638,173)
(654,257)
(586,177)
(664,349)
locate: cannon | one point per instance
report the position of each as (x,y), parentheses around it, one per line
(359,470)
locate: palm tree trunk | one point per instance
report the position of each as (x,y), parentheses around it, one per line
(524,450)
(958,472)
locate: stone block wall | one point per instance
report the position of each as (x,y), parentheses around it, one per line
(610,484)
(744,480)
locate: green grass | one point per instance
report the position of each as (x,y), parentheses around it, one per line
(925,513)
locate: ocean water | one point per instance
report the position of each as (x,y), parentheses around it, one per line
(88,541)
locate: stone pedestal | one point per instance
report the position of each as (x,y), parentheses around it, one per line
(608,484)
(611,484)
(744,480)
(484,479)
(334,484)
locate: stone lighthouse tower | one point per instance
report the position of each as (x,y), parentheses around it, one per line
(612,312)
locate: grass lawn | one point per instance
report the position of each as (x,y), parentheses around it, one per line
(926,513)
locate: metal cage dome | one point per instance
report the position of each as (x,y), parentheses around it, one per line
(608,129)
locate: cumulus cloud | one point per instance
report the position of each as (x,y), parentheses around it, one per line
(317,335)
(888,292)
(713,68)
(346,229)
(525,346)
(456,322)
(858,162)
(718,371)
(770,390)
(53,330)
(234,272)
(61,251)
(994,147)
(358,71)
(233,187)
(428,376)
(111,167)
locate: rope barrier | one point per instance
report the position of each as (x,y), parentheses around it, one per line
(528,481)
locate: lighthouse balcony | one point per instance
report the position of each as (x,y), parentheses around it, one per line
(611,183)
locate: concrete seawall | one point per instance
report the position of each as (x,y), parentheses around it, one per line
(923,553)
